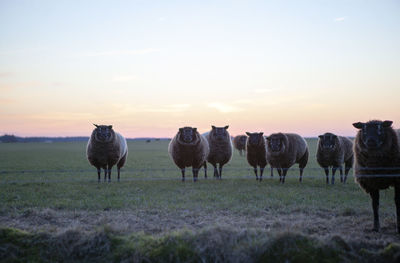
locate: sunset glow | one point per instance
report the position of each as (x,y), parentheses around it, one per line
(150,67)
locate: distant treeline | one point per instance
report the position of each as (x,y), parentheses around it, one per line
(12,138)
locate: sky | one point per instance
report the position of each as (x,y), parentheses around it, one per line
(149,67)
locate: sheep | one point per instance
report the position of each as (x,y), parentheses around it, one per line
(333,151)
(256,152)
(240,143)
(189,148)
(377,162)
(221,148)
(105,149)
(284,150)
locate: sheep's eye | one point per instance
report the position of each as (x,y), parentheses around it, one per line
(379,129)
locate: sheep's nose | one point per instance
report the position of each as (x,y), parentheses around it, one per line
(371,143)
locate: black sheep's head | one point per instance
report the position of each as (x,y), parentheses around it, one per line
(219,133)
(243,139)
(327,141)
(373,133)
(103,133)
(276,142)
(187,134)
(255,138)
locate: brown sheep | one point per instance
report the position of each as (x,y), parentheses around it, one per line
(256,152)
(240,143)
(377,162)
(105,149)
(284,150)
(221,151)
(189,149)
(333,151)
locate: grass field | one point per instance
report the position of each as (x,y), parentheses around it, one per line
(53,209)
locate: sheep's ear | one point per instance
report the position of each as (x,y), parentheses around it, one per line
(386,124)
(226,127)
(195,129)
(180,129)
(334,136)
(97,126)
(248,133)
(213,127)
(110,127)
(358,125)
(261,133)
(268,138)
(320,136)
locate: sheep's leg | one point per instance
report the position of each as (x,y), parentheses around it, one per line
(347,165)
(205,169)
(272,172)
(261,172)
(105,174)
(109,175)
(326,169)
(301,174)
(240,152)
(98,174)
(341,173)
(119,171)
(397,202)
(195,172)
(256,172)
(302,164)
(215,170)
(284,172)
(280,174)
(334,168)
(220,171)
(183,174)
(375,207)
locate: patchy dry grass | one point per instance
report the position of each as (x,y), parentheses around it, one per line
(57,205)
(215,244)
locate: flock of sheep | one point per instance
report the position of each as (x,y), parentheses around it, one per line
(375,153)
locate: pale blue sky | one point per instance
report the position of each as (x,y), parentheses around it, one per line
(305,66)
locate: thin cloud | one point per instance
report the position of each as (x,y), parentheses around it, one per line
(123,78)
(173,108)
(122,52)
(6,74)
(260,91)
(223,107)
(340,19)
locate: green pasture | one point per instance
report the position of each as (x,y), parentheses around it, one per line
(57,176)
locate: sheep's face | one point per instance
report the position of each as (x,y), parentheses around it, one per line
(373,133)
(327,141)
(242,140)
(103,133)
(255,138)
(276,143)
(187,134)
(219,133)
